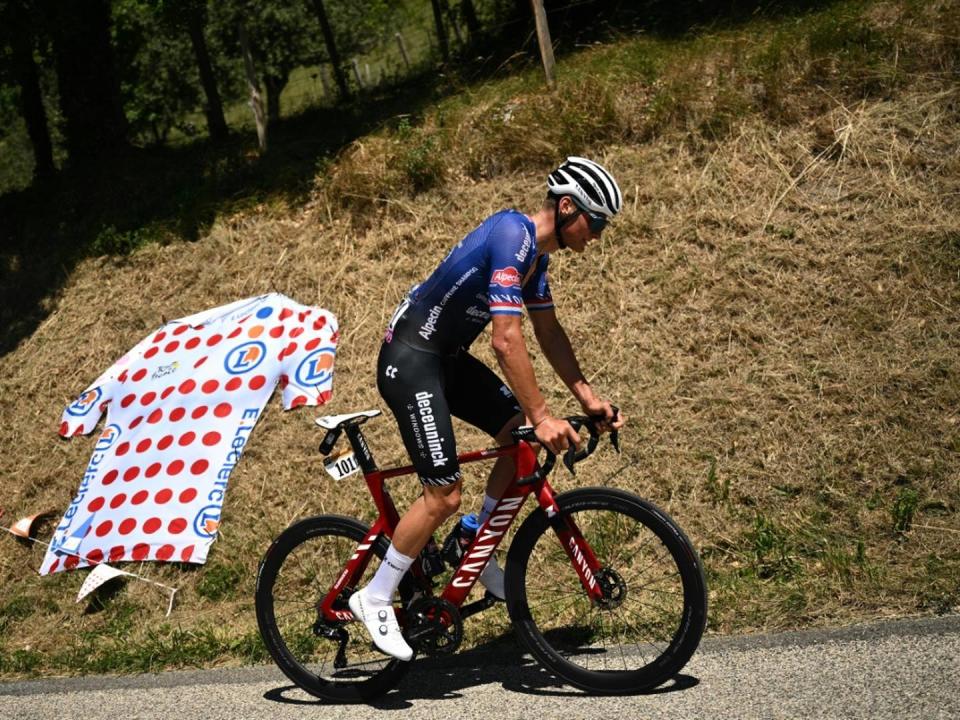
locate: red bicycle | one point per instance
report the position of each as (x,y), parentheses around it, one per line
(603,587)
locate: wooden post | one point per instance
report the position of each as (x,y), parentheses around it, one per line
(403,50)
(356,72)
(543,38)
(256,98)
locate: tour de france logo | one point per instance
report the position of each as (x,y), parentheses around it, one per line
(244,358)
(316,368)
(85,403)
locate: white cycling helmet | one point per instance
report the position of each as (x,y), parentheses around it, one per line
(589,184)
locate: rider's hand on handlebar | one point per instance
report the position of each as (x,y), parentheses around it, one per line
(556,434)
(597,408)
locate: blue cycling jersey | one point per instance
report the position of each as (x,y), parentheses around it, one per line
(483,275)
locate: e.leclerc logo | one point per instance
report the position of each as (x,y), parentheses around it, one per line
(244,358)
(84,404)
(107,438)
(206,522)
(316,368)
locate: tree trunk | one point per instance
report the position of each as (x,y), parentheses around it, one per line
(31,104)
(256,97)
(338,73)
(470,18)
(216,124)
(95,126)
(441,33)
(274,87)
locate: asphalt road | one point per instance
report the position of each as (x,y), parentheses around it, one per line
(899,669)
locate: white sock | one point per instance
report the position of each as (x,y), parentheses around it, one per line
(387,578)
(489,504)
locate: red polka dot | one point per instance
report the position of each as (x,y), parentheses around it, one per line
(131,474)
(123,376)
(140,551)
(176,415)
(222,410)
(165,442)
(299,400)
(199,412)
(181,329)
(175,467)
(95,556)
(123,448)
(163,496)
(110,477)
(187,438)
(127,400)
(296,332)
(235,333)
(71,562)
(291,348)
(211,438)
(148,398)
(187,386)
(200,362)
(284,381)
(116,552)
(104,527)
(233,384)
(128,526)
(136,421)
(312,344)
(144,445)
(118,500)
(257,382)
(141,496)
(165,552)
(78,431)
(324,397)
(186,553)
(166,393)
(159,336)
(210,386)
(192,343)
(171,346)
(151,352)
(87,531)
(177,525)
(277,331)
(319,323)
(64,429)
(56,563)
(153,470)
(285,313)
(155,417)
(95,504)
(139,375)
(152,525)
(213,340)
(188,495)
(199,467)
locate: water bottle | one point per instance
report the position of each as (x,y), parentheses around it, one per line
(459,539)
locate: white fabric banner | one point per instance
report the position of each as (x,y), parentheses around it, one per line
(97,577)
(180,409)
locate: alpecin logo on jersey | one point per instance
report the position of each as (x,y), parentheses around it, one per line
(316,368)
(506,277)
(207,521)
(244,358)
(107,438)
(85,403)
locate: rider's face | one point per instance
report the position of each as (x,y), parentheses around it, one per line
(577,234)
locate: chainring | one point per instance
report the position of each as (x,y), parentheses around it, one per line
(434,626)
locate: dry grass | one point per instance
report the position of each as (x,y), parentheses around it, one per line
(776,311)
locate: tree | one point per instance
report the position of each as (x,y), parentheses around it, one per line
(331,45)
(195,19)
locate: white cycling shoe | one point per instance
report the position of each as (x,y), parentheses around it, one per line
(492,579)
(381,623)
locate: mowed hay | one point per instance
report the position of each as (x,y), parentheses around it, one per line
(775,311)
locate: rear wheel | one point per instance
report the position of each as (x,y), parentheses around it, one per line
(296,573)
(655,601)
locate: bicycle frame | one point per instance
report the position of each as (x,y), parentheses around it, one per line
(488,536)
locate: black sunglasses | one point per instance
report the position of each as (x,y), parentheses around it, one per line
(595,222)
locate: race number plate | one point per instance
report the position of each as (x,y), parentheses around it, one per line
(343,465)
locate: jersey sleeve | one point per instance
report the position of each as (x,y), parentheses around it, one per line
(510,252)
(307,368)
(536,293)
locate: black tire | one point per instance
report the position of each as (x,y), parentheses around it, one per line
(297,571)
(631,646)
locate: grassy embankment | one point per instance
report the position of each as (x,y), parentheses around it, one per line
(776,310)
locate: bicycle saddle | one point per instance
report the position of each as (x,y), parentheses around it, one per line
(332,422)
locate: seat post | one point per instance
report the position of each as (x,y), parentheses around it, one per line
(360,448)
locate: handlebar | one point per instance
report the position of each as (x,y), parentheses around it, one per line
(571,456)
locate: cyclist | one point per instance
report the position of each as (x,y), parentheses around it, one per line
(426,374)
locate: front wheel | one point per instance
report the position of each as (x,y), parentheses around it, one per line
(296,573)
(655,601)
